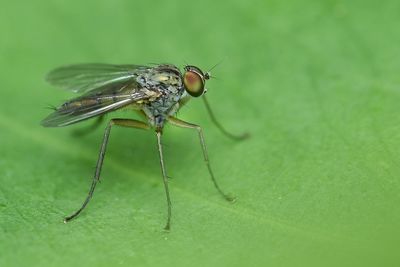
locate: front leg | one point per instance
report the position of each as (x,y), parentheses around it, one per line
(184,124)
(219,125)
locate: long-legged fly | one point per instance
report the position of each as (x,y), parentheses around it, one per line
(155,92)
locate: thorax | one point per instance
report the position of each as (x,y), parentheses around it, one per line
(166,81)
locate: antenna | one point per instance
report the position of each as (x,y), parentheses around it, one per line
(208,73)
(216,65)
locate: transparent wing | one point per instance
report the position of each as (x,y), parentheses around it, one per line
(85,77)
(96,102)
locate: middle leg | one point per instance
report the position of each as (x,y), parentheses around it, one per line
(165,179)
(184,124)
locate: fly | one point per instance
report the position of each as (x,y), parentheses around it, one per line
(155,92)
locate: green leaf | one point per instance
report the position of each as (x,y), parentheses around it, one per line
(316,84)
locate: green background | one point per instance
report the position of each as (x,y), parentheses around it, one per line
(316,83)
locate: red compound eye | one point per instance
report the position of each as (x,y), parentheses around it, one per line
(194,83)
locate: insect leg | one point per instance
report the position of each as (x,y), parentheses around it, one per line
(94,126)
(96,177)
(184,124)
(165,179)
(219,126)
